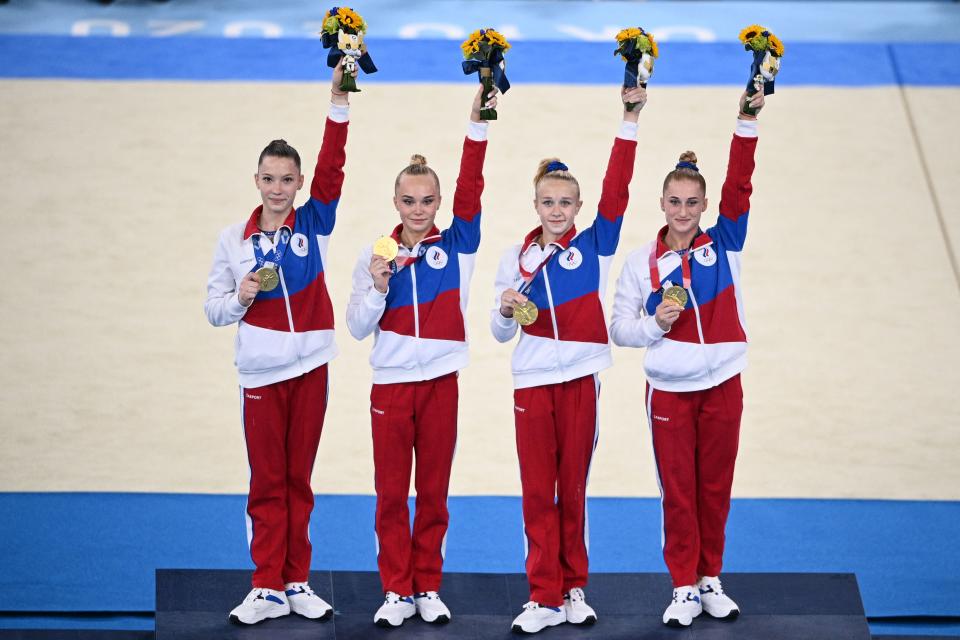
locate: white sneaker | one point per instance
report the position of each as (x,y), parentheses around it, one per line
(576,608)
(303,601)
(715,601)
(684,607)
(259,605)
(536,618)
(431,607)
(394,610)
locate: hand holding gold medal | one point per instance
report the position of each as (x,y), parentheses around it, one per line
(269,278)
(386,247)
(676,295)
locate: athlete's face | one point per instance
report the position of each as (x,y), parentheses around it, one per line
(557,204)
(417,200)
(278,180)
(683,202)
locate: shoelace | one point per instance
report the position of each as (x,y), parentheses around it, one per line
(302,587)
(395,598)
(688,596)
(531,606)
(575,595)
(429,595)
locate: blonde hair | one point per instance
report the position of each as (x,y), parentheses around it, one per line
(682,172)
(553,169)
(417,167)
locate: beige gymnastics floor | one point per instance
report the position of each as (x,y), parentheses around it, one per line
(112,380)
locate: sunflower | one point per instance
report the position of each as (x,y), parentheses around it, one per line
(776,46)
(628,34)
(496,39)
(750,33)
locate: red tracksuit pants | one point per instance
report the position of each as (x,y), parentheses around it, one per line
(413,418)
(556,434)
(695,440)
(282,424)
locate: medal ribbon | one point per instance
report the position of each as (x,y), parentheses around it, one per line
(279,249)
(529,276)
(400,262)
(655,269)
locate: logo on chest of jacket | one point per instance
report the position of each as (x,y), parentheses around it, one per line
(705,256)
(436,257)
(299,244)
(571,258)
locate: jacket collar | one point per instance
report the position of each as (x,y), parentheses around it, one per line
(699,240)
(253,224)
(563,242)
(432,236)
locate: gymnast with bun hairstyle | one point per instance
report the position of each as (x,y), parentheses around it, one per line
(550,288)
(410,290)
(269,277)
(680,297)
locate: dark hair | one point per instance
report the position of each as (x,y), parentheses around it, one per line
(686,170)
(279,149)
(553,169)
(417,167)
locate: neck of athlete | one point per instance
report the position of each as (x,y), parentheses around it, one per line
(270,221)
(679,241)
(546,237)
(409,238)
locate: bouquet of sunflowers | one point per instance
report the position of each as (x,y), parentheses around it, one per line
(638,49)
(342,33)
(767,50)
(483,54)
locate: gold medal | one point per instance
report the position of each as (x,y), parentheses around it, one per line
(525,313)
(269,278)
(386,247)
(676,295)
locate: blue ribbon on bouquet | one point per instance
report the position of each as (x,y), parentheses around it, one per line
(493,63)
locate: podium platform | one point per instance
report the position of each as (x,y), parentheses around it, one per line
(193,604)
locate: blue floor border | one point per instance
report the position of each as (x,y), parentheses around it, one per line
(98,551)
(292,59)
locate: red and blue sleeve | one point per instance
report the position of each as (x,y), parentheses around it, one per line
(614,197)
(328,176)
(731,227)
(466,199)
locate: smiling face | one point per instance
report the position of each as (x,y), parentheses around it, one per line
(417,200)
(557,204)
(278,180)
(683,202)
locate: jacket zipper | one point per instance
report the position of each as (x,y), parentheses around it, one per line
(553,319)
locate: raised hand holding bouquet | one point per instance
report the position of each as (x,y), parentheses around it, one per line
(483,52)
(343,30)
(638,49)
(767,50)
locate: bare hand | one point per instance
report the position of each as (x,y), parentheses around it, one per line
(249,288)
(637,96)
(336,95)
(491,103)
(756,103)
(381,272)
(667,314)
(509,301)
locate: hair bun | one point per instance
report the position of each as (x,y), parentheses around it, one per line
(417,160)
(688,156)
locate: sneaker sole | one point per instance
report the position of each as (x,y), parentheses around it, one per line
(518,629)
(586,622)
(321,618)
(441,619)
(236,619)
(673,622)
(733,615)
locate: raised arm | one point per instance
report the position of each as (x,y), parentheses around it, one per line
(616,181)
(328,172)
(737,187)
(466,198)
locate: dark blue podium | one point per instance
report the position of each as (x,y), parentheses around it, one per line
(193,604)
